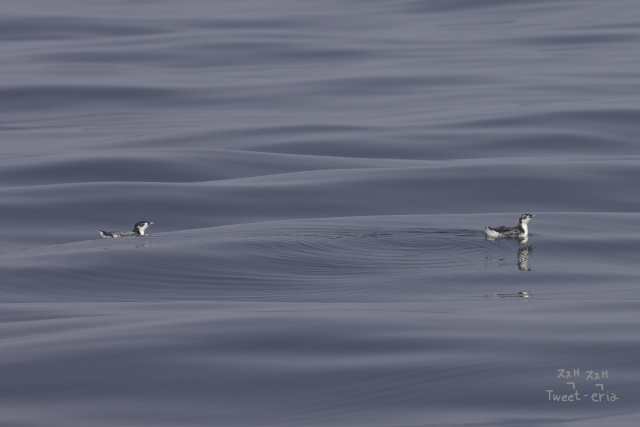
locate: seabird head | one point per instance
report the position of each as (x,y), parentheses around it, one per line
(141,226)
(526,218)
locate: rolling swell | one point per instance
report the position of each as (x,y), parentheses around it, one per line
(396,258)
(285,261)
(319,175)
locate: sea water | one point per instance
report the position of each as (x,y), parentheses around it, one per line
(319,175)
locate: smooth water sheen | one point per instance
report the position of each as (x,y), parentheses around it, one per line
(319,175)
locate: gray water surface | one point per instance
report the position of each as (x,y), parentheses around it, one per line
(319,175)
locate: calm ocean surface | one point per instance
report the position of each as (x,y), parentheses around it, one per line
(319,174)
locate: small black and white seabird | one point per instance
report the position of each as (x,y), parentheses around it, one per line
(520,230)
(138,230)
